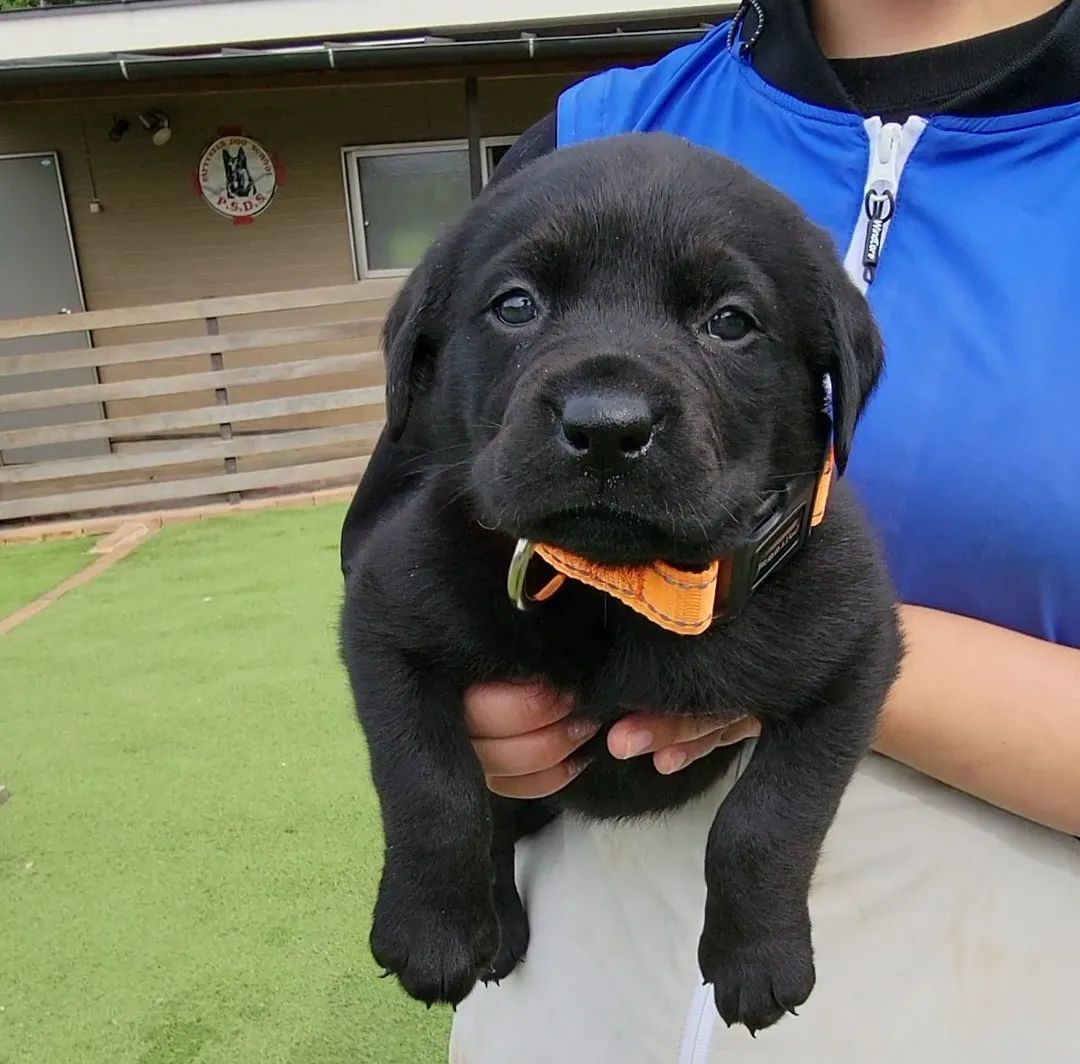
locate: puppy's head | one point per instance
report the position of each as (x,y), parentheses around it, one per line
(623,348)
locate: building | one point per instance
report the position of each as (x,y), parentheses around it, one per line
(168,151)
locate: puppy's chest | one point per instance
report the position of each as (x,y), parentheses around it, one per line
(611,657)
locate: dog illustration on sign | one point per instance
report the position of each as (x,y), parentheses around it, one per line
(239,182)
(237,177)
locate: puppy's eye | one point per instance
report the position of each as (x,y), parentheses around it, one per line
(515,308)
(729,324)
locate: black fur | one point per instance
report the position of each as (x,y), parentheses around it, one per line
(628,246)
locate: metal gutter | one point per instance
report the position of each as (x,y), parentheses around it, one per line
(160,26)
(344,56)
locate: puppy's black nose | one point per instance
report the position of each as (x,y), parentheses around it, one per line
(607,429)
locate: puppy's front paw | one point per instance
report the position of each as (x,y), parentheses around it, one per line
(757,980)
(437,955)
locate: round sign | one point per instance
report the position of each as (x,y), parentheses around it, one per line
(237,177)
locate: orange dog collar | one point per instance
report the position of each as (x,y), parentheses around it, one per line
(686,602)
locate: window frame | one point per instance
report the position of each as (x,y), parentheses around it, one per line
(354,202)
(491,142)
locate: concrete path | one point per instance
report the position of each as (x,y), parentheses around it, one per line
(109,551)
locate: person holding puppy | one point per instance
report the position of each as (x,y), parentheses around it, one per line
(939,141)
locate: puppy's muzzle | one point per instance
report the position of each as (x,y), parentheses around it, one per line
(606,429)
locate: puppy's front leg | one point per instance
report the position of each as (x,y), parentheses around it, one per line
(434,924)
(762,850)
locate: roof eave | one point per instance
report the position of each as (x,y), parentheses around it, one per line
(50,35)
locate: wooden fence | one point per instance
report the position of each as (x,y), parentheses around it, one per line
(189,402)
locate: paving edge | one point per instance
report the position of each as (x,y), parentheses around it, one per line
(155,519)
(122,543)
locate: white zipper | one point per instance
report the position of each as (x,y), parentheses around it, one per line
(701,1016)
(698,1026)
(891,144)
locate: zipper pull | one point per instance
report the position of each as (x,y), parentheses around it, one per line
(879,200)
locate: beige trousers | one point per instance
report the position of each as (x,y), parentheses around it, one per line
(945,932)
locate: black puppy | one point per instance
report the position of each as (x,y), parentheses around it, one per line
(625,352)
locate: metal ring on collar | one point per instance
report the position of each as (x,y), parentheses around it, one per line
(515,577)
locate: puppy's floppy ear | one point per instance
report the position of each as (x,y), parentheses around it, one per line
(412,333)
(855,359)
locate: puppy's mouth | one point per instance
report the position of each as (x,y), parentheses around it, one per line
(615,537)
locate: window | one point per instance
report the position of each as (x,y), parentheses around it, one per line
(401,195)
(494,149)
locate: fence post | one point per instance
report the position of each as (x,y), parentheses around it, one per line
(221,396)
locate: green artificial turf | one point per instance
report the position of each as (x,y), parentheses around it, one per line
(190,850)
(28,570)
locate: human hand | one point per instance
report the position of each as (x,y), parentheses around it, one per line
(526,745)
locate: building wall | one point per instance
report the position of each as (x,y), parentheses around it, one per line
(156,241)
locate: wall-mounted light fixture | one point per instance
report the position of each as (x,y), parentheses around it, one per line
(156,123)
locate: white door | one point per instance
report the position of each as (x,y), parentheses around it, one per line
(40,276)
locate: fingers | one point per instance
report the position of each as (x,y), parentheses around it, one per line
(640,733)
(526,745)
(502,711)
(676,757)
(522,739)
(676,742)
(536,784)
(535,751)
(511,764)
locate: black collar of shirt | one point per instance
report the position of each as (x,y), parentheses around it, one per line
(1027,67)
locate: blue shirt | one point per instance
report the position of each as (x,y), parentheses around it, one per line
(968,457)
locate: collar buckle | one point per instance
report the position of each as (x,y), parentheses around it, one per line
(779,536)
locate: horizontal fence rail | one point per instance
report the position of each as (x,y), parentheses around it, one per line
(183,402)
